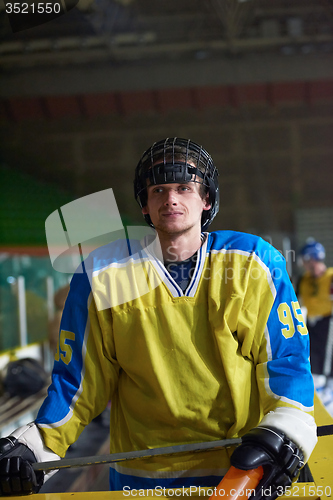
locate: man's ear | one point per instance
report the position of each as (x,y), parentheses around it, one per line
(207,205)
(144,210)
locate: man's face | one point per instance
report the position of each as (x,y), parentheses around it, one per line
(175,208)
(314,267)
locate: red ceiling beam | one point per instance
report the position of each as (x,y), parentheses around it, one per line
(100,104)
(134,102)
(164,100)
(20,108)
(63,106)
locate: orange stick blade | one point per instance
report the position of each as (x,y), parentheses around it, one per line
(237,483)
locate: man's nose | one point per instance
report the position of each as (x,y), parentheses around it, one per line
(171,197)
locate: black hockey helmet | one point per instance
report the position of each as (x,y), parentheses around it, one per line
(176,160)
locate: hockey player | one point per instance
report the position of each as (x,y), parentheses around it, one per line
(194,336)
(315,290)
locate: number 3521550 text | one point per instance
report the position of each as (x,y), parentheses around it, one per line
(33,8)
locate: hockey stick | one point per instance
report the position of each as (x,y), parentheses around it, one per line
(325,430)
(66,463)
(329,349)
(237,484)
(134,455)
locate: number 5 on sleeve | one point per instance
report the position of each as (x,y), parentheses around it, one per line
(64,350)
(298,315)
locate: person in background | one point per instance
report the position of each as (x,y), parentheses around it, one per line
(194,336)
(315,292)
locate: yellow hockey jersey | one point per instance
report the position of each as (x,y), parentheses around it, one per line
(317,294)
(202,365)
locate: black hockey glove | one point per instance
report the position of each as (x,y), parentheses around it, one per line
(17,476)
(280,458)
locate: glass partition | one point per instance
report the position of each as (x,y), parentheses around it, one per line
(27,287)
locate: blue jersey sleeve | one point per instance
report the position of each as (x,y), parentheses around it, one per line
(85,372)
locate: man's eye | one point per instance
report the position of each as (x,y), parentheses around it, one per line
(185,188)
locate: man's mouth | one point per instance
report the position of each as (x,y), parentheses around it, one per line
(171,214)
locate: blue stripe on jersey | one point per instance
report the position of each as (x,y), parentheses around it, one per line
(233,240)
(74,319)
(120,481)
(286,352)
(118,251)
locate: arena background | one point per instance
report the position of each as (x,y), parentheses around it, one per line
(83,95)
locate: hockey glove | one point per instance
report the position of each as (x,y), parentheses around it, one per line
(280,458)
(17,476)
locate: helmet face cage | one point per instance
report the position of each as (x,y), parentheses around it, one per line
(175,160)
